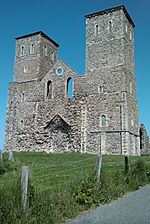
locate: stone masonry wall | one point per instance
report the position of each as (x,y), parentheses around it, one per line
(102,113)
(144,143)
(33,66)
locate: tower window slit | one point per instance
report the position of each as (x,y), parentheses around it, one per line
(32,49)
(22,124)
(96,30)
(49,90)
(52,56)
(101,89)
(103,120)
(22,97)
(110,26)
(22,51)
(69,88)
(130,36)
(45,50)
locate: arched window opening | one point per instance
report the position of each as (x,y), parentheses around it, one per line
(52,56)
(32,49)
(22,97)
(130,36)
(49,90)
(25,69)
(110,26)
(132,122)
(22,124)
(103,120)
(22,51)
(101,89)
(130,87)
(96,30)
(45,50)
(69,88)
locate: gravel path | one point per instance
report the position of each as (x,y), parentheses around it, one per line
(133,208)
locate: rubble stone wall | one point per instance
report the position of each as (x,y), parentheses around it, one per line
(102,113)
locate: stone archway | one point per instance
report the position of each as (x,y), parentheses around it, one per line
(58,131)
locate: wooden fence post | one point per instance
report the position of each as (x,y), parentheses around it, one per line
(10,156)
(127,164)
(24,186)
(1,156)
(98,166)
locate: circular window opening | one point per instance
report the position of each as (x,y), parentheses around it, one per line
(59,71)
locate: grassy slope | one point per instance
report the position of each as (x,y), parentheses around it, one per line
(51,170)
(48,171)
(52,174)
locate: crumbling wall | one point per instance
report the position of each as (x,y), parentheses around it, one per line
(144,140)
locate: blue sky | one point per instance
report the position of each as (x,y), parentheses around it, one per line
(63,21)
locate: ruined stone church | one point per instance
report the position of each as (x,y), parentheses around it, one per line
(52,108)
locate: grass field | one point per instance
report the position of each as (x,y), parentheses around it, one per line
(48,171)
(53,174)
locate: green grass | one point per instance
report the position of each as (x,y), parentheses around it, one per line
(62,185)
(48,171)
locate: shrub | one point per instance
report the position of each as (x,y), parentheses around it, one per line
(85,191)
(112,185)
(89,192)
(138,175)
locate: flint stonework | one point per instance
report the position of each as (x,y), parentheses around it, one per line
(102,114)
(144,140)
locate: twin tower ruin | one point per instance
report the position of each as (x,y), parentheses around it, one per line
(52,108)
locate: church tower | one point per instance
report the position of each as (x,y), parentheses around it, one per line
(110,45)
(110,69)
(34,56)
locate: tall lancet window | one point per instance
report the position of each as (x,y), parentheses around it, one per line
(103,121)
(25,69)
(22,97)
(22,123)
(96,30)
(52,56)
(22,51)
(49,90)
(130,36)
(110,26)
(130,87)
(45,50)
(132,122)
(69,88)
(100,89)
(32,49)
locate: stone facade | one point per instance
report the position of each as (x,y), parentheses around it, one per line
(144,141)
(101,115)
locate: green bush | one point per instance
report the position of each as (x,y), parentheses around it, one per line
(113,184)
(84,192)
(139,171)
(138,175)
(89,192)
